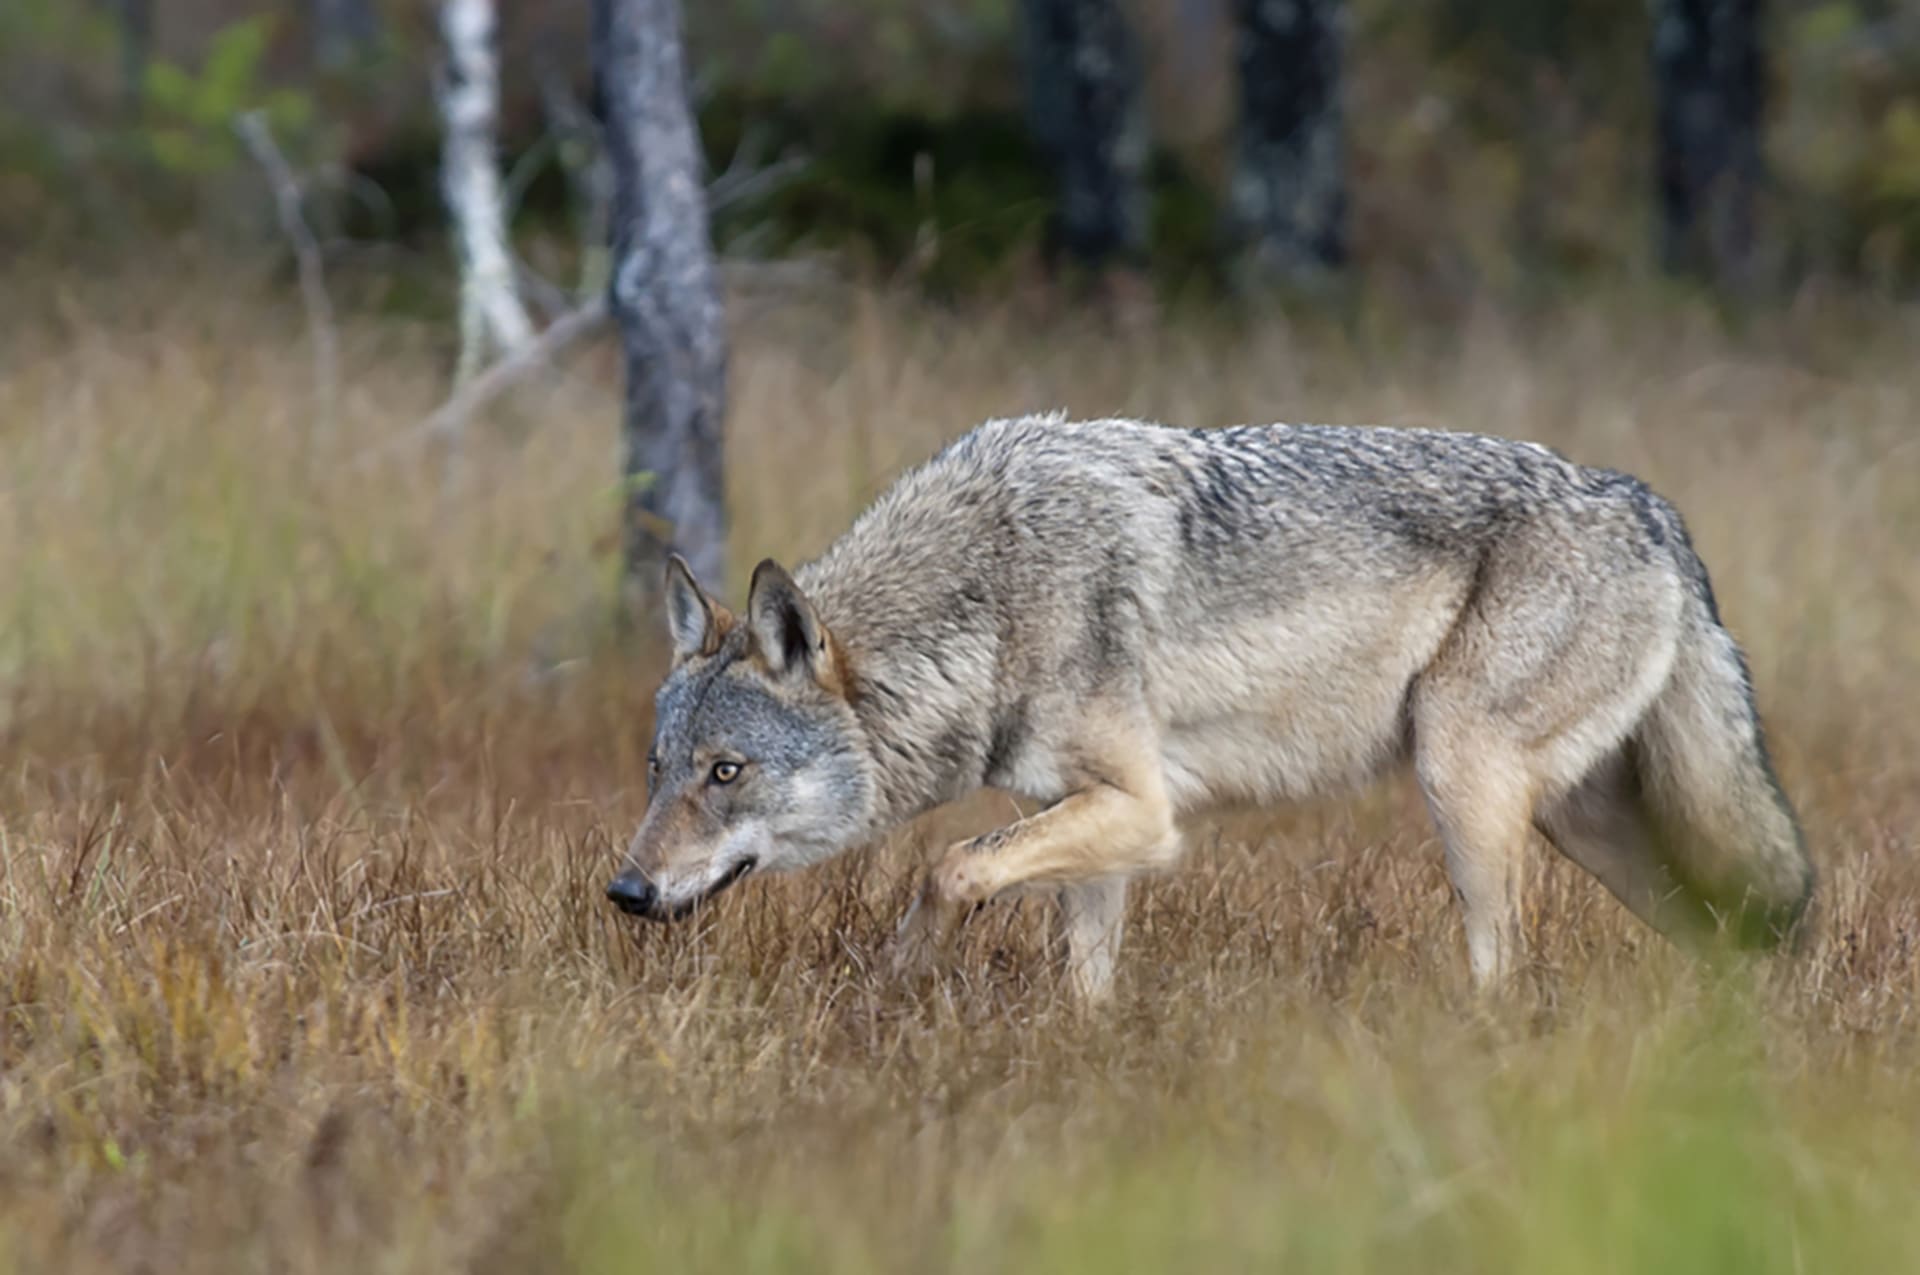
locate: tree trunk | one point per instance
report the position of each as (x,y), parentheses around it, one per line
(665,295)
(136,47)
(1085,98)
(1288,199)
(1709,81)
(491,316)
(342,29)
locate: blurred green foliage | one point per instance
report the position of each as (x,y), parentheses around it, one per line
(98,138)
(188,122)
(1846,136)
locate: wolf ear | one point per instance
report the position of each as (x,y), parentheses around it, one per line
(695,622)
(786,631)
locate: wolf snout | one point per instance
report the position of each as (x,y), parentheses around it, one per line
(633,894)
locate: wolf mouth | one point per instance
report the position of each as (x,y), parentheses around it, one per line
(726,879)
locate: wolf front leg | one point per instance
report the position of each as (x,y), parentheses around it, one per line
(926,931)
(1092,916)
(1087,844)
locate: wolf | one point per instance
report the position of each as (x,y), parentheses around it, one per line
(1132,624)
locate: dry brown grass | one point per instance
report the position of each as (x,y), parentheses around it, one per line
(312,775)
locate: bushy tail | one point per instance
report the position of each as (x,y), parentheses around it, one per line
(1727,829)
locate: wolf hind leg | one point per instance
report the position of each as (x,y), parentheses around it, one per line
(1482,806)
(1544,675)
(1480,785)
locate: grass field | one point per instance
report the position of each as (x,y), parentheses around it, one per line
(314,759)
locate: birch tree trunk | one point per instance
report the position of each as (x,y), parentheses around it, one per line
(664,293)
(1709,83)
(492,319)
(1085,98)
(1288,198)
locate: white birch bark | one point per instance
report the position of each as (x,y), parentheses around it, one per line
(492,320)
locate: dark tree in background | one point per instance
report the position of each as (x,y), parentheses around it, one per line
(1084,94)
(136,46)
(1288,199)
(665,296)
(1709,78)
(342,30)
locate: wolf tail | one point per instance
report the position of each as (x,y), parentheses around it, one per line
(1728,832)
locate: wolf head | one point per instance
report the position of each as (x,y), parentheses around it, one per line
(758,762)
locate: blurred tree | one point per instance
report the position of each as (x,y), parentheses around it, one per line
(342,29)
(136,47)
(1542,91)
(665,295)
(1709,81)
(491,316)
(1288,194)
(1084,97)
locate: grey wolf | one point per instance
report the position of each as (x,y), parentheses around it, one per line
(1131,624)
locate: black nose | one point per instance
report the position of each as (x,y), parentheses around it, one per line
(633,894)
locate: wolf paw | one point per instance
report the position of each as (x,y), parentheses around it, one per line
(963,878)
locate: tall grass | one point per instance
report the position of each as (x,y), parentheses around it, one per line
(312,766)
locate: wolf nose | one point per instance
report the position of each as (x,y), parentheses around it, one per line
(632,894)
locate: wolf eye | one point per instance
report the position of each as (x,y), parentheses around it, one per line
(653,764)
(725,772)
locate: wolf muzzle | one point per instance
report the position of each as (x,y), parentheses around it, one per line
(635,895)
